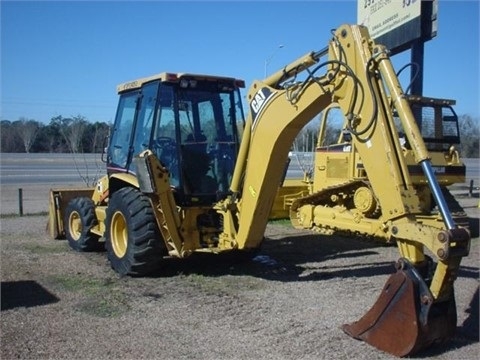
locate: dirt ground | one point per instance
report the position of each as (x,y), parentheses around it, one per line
(287,303)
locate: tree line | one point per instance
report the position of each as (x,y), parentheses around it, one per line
(77,135)
(469,129)
(62,135)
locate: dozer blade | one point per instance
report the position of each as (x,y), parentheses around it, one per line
(404,319)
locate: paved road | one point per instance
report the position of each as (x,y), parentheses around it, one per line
(18,169)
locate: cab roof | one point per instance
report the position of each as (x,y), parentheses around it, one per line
(174,78)
(417,99)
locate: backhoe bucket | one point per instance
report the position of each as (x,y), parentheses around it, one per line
(404,319)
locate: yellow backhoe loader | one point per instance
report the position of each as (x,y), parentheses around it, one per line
(185,174)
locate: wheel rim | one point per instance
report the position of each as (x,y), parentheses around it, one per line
(75,225)
(118,234)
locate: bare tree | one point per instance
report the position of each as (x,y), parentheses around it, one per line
(72,130)
(27,130)
(98,133)
(469,135)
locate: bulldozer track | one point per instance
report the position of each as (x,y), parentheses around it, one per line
(324,197)
(347,189)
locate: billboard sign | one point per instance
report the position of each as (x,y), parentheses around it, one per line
(396,23)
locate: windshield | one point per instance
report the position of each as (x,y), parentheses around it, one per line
(197,135)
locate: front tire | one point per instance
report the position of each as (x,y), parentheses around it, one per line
(133,241)
(79,219)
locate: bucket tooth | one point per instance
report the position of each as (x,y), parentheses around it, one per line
(405,319)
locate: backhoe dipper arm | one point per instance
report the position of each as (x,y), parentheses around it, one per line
(358,75)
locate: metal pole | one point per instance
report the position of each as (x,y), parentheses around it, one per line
(417,55)
(20,201)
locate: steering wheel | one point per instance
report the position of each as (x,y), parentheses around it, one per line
(165,149)
(164,142)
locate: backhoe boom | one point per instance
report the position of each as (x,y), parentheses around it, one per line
(359,76)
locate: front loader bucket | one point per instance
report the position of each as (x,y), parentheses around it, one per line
(404,319)
(59,199)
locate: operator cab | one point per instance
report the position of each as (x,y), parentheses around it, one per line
(192,123)
(437,121)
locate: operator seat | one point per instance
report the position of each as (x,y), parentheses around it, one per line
(196,164)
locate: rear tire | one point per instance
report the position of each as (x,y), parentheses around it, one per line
(133,241)
(79,219)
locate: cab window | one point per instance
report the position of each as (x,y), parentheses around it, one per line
(122,130)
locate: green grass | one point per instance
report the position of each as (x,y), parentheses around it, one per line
(97,297)
(53,248)
(225,285)
(282,222)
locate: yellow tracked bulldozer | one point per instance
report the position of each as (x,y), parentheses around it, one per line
(186,174)
(337,166)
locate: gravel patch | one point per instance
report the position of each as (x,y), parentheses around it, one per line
(287,303)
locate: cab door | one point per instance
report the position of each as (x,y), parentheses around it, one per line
(119,146)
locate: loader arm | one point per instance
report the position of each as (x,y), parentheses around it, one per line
(359,76)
